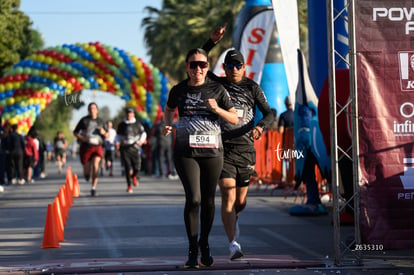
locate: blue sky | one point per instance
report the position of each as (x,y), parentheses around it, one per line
(115,23)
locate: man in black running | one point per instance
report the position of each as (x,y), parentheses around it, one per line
(238,140)
(132,136)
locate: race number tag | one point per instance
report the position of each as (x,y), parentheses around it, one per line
(203,141)
(94,140)
(242,113)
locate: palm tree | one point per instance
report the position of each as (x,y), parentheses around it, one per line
(184,24)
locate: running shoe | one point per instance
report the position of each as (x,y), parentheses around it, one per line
(134,181)
(21,181)
(192,261)
(206,258)
(235,250)
(129,190)
(93,193)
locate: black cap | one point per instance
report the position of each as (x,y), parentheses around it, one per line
(233,56)
(129,110)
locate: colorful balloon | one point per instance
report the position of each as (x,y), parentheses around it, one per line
(32,84)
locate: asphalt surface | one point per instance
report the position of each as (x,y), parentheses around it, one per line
(143,233)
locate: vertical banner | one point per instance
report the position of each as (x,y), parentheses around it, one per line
(385,79)
(254,43)
(255,35)
(287,23)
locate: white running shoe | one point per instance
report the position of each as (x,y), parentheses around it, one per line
(235,250)
(237,229)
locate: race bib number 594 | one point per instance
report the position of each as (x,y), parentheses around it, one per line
(203,141)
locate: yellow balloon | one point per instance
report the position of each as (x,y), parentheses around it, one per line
(13,120)
(9,86)
(62,82)
(10,101)
(48,60)
(16,85)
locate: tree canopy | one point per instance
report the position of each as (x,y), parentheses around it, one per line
(180,25)
(18,39)
(184,24)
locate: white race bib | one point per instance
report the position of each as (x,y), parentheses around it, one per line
(240,113)
(203,141)
(94,140)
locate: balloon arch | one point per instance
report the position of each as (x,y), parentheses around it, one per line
(32,84)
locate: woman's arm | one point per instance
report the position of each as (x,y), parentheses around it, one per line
(168,120)
(229,115)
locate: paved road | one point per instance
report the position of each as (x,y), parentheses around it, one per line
(143,232)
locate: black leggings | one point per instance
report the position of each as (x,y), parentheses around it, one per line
(199,176)
(132,160)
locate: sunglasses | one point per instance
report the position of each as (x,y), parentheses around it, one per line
(232,66)
(195,64)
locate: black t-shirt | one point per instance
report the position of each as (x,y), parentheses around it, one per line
(198,131)
(59,143)
(245,96)
(286,119)
(129,132)
(90,128)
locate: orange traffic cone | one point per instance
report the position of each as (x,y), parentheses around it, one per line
(76,189)
(69,186)
(63,204)
(60,227)
(50,239)
(68,195)
(69,178)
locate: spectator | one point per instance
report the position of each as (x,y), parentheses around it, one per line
(15,149)
(40,169)
(275,123)
(163,151)
(60,146)
(31,154)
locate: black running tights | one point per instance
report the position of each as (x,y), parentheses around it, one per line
(199,176)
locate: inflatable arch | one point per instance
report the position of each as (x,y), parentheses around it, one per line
(33,83)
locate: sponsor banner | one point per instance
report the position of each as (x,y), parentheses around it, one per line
(385,79)
(254,43)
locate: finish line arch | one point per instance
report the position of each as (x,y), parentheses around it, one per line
(33,83)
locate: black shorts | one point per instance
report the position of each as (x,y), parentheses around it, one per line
(28,161)
(109,155)
(59,153)
(238,165)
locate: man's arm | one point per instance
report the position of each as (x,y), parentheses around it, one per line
(216,35)
(264,108)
